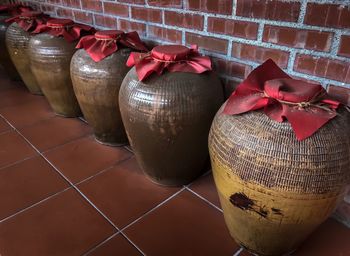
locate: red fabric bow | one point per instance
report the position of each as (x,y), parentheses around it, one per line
(306,106)
(174,58)
(14,9)
(64,27)
(28,21)
(105,43)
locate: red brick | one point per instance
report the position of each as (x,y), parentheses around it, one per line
(207,43)
(268,9)
(48,9)
(132,1)
(66,13)
(259,54)
(235,28)
(213,6)
(231,68)
(93,5)
(341,94)
(127,26)
(83,17)
(71,3)
(323,67)
(165,34)
(166,3)
(116,9)
(328,15)
(185,20)
(344,49)
(146,14)
(105,21)
(298,38)
(53,1)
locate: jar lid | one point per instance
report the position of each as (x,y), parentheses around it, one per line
(108,34)
(59,23)
(30,14)
(170,52)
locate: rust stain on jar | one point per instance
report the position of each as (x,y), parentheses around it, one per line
(243,202)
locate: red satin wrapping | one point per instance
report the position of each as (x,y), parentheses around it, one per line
(174,58)
(105,43)
(29,20)
(306,106)
(63,27)
(14,9)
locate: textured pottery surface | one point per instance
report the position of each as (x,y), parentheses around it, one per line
(96,86)
(17,42)
(275,190)
(167,119)
(5,59)
(50,58)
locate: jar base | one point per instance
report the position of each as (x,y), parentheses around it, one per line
(111,144)
(67,116)
(259,254)
(167,184)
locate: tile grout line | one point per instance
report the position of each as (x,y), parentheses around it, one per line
(101,243)
(203,198)
(74,187)
(237,253)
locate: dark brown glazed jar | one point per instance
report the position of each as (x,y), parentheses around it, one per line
(97,77)
(167,119)
(5,60)
(17,41)
(50,57)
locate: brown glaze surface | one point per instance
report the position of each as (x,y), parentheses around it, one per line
(5,60)
(96,86)
(50,58)
(17,41)
(167,119)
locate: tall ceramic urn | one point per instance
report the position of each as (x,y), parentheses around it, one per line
(50,53)
(280,153)
(168,101)
(7,11)
(18,35)
(97,72)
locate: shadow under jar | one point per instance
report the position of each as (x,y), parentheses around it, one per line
(17,42)
(274,189)
(50,58)
(5,59)
(96,85)
(167,119)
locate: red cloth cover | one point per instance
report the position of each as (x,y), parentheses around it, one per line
(105,43)
(14,9)
(174,58)
(63,27)
(306,106)
(28,20)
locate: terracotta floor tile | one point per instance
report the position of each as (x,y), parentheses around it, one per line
(28,113)
(63,225)
(185,225)
(118,245)
(85,157)
(16,96)
(4,126)
(55,131)
(13,148)
(124,193)
(6,83)
(26,183)
(205,187)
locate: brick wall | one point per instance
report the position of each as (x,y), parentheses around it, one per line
(310,39)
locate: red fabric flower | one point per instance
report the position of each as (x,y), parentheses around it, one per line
(14,9)
(105,43)
(306,106)
(174,58)
(64,27)
(29,20)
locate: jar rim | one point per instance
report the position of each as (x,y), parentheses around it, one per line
(170,52)
(108,34)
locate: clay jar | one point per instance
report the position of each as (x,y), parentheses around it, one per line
(17,42)
(96,85)
(275,190)
(5,59)
(167,119)
(50,58)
